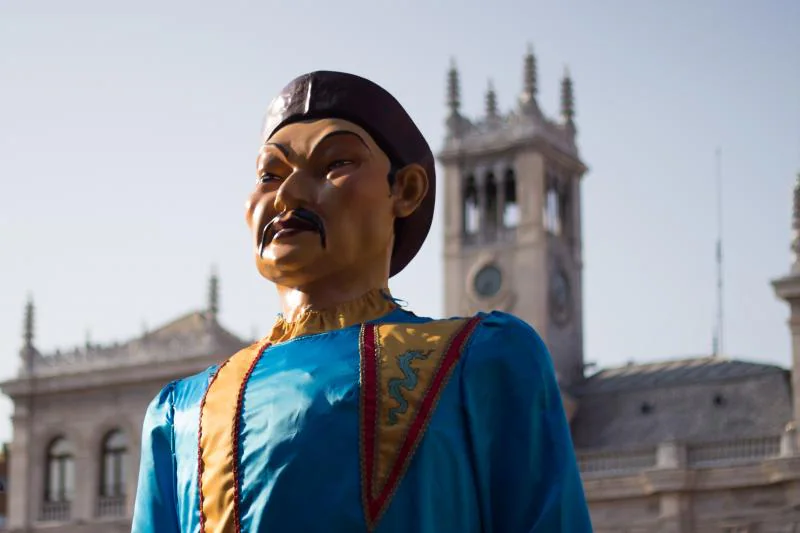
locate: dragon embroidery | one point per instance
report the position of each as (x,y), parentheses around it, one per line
(408,382)
(404,368)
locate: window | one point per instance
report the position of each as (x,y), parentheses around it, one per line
(510,209)
(492,204)
(552,214)
(557,209)
(60,481)
(471,213)
(115,450)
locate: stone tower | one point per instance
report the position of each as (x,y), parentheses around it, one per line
(788,289)
(513,216)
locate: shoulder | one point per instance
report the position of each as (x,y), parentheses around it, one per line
(494,333)
(501,332)
(486,338)
(181,393)
(507,351)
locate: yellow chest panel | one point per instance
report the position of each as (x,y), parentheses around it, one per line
(404,368)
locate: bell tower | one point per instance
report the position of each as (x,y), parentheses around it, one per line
(512,227)
(787,288)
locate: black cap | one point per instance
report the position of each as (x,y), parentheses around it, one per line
(325,94)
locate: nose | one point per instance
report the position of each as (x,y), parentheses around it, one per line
(296,190)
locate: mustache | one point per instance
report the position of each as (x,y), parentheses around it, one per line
(296,218)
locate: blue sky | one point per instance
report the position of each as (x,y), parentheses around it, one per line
(128,138)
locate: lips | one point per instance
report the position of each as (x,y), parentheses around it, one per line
(292,221)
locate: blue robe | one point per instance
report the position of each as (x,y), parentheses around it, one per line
(345,430)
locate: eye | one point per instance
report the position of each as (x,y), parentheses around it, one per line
(268,177)
(339,163)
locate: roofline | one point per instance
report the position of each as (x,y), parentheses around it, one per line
(686,359)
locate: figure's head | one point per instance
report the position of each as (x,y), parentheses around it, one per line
(345,184)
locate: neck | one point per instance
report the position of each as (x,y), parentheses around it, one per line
(319,318)
(348,297)
(327,293)
(296,302)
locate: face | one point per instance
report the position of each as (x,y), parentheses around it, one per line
(322,204)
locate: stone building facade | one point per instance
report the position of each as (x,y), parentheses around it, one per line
(78,417)
(700,445)
(704,444)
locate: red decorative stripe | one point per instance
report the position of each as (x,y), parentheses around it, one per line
(369,386)
(237,519)
(200,447)
(369,417)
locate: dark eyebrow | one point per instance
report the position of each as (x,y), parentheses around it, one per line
(288,152)
(341,132)
(283,148)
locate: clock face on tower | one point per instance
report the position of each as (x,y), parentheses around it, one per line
(488,281)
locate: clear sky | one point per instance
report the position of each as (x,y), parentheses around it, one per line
(128,138)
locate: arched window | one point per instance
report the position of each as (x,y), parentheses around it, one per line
(555,201)
(552,216)
(60,483)
(510,209)
(492,205)
(470,206)
(113,474)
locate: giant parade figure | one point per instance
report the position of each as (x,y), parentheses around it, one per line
(353,414)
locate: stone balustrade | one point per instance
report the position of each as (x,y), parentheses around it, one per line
(94,357)
(680,455)
(616,462)
(111,506)
(723,453)
(55,511)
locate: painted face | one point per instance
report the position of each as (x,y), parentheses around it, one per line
(322,204)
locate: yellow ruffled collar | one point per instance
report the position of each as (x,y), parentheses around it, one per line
(374,304)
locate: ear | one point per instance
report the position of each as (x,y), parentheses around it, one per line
(409,189)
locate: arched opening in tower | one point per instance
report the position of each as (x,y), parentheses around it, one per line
(510,206)
(564,224)
(492,206)
(554,205)
(552,215)
(471,214)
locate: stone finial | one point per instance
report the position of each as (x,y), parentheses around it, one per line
(28,326)
(529,85)
(567,100)
(28,351)
(213,295)
(796,226)
(453,89)
(491,101)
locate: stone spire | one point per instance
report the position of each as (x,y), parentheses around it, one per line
(491,101)
(28,325)
(796,227)
(567,101)
(28,351)
(453,90)
(213,295)
(529,82)
(456,124)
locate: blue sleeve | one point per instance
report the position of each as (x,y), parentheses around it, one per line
(523,457)
(155,508)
